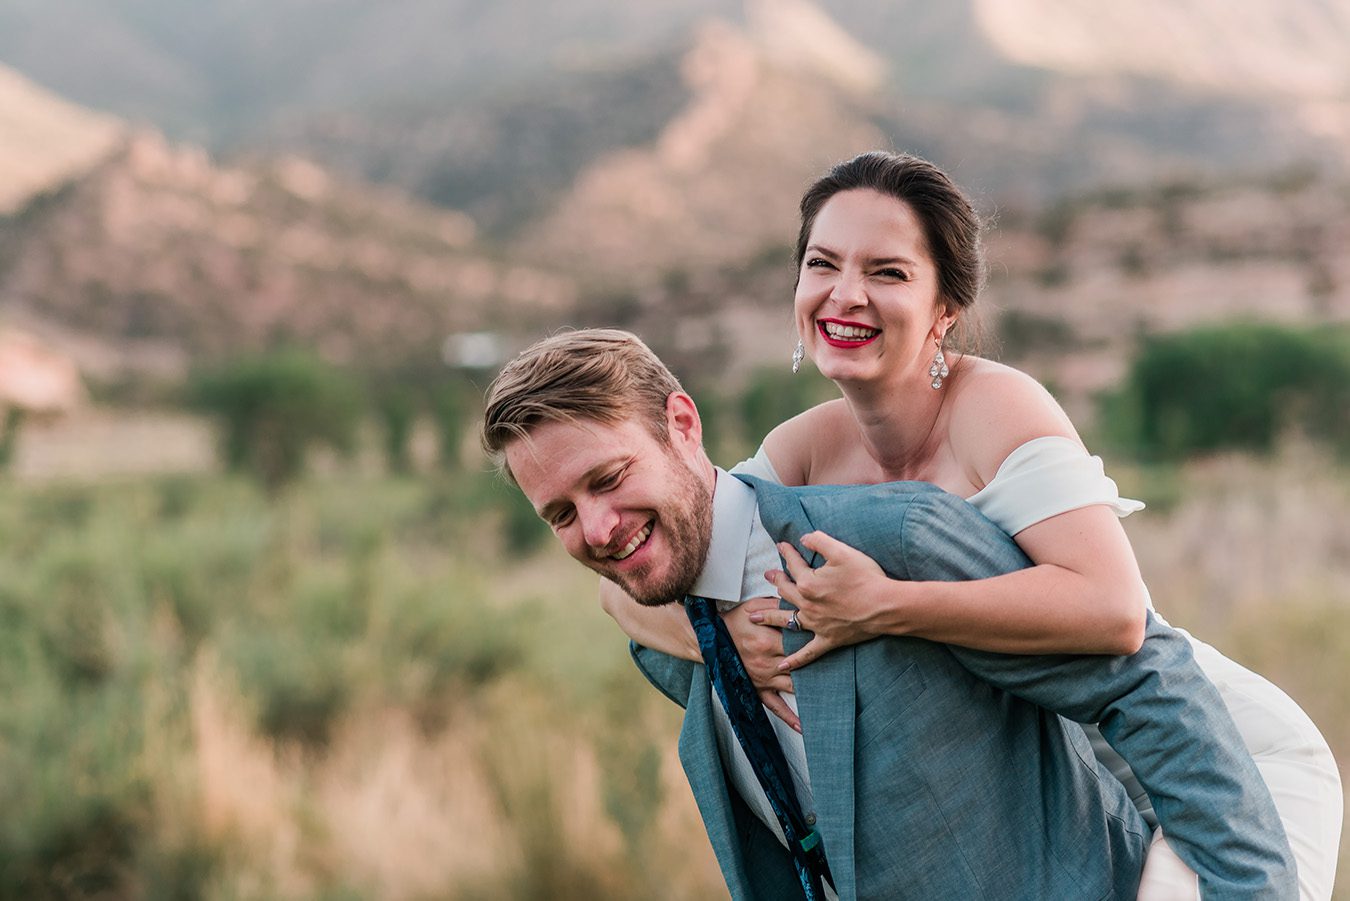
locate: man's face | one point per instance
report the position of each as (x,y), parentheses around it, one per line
(633,509)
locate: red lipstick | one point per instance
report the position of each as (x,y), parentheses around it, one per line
(846,343)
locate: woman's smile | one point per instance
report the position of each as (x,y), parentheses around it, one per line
(845,334)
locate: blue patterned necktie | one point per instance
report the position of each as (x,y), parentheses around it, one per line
(732,683)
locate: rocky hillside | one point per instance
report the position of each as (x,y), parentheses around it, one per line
(1279,50)
(662,197)
(45,141)
(499,109)
(1073,287)
(720,181)
(157,256)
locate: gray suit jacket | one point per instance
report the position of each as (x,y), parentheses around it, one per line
(943,772)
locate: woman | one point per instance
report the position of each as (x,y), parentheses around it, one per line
(889,260)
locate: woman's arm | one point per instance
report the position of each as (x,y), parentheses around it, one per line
(664,628)
(1084,595)
(1087,602)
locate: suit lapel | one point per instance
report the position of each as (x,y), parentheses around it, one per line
(826,702)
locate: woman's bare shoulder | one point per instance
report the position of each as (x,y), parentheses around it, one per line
(795,447)
(994,409)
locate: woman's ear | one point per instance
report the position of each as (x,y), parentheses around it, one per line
(946,320)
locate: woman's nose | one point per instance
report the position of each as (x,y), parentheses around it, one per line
(848,291)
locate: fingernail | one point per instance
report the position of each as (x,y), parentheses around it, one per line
(782,667)
(757,617)
(798,727)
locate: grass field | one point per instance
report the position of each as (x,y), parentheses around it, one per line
(398,688)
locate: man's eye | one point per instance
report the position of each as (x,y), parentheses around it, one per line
(610,481)
(560,519)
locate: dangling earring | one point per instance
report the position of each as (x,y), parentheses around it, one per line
(939,368)
(797,354)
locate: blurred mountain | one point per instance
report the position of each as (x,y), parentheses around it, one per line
(1299,51)
(156,257)
(45,141)
(213,73)
(498,108)
(643,169)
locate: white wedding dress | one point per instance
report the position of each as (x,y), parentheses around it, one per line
(1052,475)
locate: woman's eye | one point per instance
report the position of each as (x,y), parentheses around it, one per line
(896,274)
(816,263)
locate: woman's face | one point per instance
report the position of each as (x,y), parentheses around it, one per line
(867,304)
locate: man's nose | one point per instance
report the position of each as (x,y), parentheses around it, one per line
(598,522)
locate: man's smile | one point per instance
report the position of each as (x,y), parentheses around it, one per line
(638,540)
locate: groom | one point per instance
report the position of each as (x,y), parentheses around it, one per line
(932,771)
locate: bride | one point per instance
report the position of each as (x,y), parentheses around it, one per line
(889,259)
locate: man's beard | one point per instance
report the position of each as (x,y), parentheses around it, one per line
(687,523)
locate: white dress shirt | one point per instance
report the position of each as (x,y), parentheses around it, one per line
(738,555)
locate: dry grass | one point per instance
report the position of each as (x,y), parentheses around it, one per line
(1254,558)
(511,799)
(552,776)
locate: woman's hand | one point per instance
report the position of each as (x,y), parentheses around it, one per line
(841,601)
(761,650)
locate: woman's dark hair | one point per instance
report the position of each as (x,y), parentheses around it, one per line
(950,224)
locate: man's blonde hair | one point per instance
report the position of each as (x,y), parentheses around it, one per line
(602,375)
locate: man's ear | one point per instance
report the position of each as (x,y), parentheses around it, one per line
(682,423)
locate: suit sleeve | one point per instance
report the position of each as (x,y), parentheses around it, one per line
(670,675)
(1155,707)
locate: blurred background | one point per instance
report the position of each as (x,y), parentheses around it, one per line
(269,626)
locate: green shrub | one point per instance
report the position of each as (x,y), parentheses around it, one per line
(275,408)
(775,394)
(1233,387)
(453,404)
(9,435)
(397,407)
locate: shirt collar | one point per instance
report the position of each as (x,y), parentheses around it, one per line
(733,514)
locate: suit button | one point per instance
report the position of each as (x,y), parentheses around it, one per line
(810,819)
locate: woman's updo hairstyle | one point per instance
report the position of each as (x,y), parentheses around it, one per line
(950,224)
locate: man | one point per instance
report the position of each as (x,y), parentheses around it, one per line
(930,771)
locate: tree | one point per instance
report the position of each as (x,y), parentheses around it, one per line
(453,404)
(9,435)
(275,408)
(1233,387)
(397,408)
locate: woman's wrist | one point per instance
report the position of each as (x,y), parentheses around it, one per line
(896,607)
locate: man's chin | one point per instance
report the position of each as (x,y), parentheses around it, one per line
(647,592)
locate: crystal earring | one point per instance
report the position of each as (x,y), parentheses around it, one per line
(797,354)
(939,368)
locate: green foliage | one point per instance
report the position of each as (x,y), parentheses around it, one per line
(397,408)
(452,408)
(9,435)
(1234,387)
(345,596)
(274,409)
(777,394)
